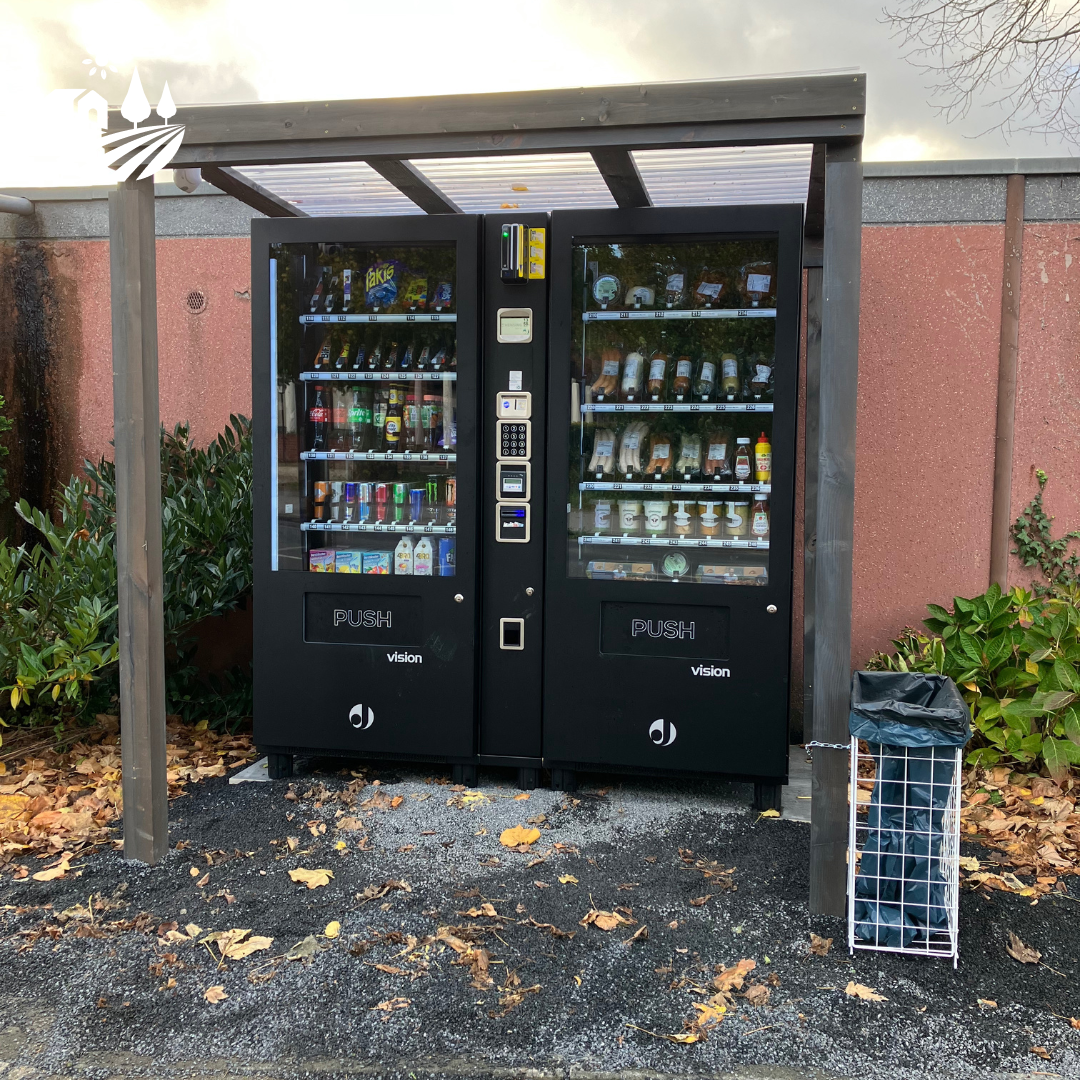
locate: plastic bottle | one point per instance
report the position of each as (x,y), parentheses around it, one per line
(360,419)
(319,415)
(759,518)
(422,558)
(744,468)
(403,556)
(763,460)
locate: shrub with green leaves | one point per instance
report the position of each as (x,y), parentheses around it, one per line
(58,629)
(1016,658)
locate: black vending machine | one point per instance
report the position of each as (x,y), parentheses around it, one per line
(671,449)
(365,392)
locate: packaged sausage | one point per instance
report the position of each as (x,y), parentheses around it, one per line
(705,385)
(633,376)
(684,371)
(717,457)
(660,456)
(607,382)
(689,456)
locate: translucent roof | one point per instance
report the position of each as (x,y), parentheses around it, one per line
(697,176)
(726,174)
(525,182)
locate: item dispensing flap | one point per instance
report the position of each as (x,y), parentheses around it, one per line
(903,708)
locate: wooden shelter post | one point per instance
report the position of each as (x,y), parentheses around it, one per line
(836,393)
(137,435)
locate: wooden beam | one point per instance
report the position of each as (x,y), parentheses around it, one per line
(620,173)
(247,191)
(1008,355)
(835,523)
(137,436)
(810,487)
(414,185)
(815,194)
(595,107)
(193,154)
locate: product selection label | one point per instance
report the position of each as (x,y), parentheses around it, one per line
(350,619)
(675,630)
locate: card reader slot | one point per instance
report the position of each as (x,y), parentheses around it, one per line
(512,634)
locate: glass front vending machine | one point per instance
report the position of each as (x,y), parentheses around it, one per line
(671,449)
(366,372)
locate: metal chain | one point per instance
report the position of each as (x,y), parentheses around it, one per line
(828,745)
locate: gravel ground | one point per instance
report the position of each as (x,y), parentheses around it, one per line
(103,1007)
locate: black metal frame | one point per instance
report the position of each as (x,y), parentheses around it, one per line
(733,726)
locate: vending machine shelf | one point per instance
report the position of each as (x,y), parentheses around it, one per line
(375,455)
(379,376)
(677,407)
(377,527)
(707,489)
(418,317)
(663,313)
(673,541)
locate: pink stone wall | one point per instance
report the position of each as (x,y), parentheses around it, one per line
(1048,380)
(930,324)
(204,360)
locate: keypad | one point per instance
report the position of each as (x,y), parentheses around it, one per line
(513,439)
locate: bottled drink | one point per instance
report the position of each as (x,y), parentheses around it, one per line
(414,435)
(378,435)
(392,431)
(423,558)
(359,419)
(429,421)
(319,418)
(339,417)
(759,518)
(403,556)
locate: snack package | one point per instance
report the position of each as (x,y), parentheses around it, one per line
(381,284)
(717,459)
(689,455)
(377,562)
(633,439)
(675,289)
(442,296)
(603,455)
(321,560)
(414,294)
(731,575)
(660,456)
(607,382)
(640,296)
(709,287)
(350,562)
(633,376)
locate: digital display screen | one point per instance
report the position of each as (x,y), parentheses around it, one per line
(514,326)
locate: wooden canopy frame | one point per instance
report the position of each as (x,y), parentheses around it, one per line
(608,122)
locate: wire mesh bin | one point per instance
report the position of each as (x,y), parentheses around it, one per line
(904,813)
(904,833)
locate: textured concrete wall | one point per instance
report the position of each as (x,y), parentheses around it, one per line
(930,321)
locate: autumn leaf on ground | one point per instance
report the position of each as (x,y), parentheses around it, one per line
(303,950)
(732,978)
(521,796)
(236,944)
(333,929)
(605,920)
(1041,1052)
(820,946)
(348,824)
(1019,951)
(568,879)
(640,934)
(986,1003)
(768,814)
(479,912)
(857,990)
(519,837)
(392,1004)
(376,892)
(685,1039)
(57,870)
(757,994)
(311,878)
(701,901)
(1074,1023)
(969,863)
(215,994)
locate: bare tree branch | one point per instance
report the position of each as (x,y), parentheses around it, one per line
(1021,57)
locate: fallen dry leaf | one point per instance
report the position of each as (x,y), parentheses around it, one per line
(392,1004)
(686,1038)
(215,994)
(731,978)
(304,950)
(640,934)
(987,1003)
(568,879)
(541,884)
(1074,1023)
(203,882)
(605,920)
(521,796)
(701,901)
(1019,951)
(857,990)
(311,878)
(769,814)
(820,946)
(757,994)
(236,944)
(58,870)
(969,863)
(518,836)
(1041,1052)
(333,929)
(479,912)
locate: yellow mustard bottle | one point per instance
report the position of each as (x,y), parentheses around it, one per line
(763,460)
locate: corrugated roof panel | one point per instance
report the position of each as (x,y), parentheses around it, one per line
(525,182)
(726,175)
(332,188)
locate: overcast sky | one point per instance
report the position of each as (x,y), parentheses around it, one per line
(242,50)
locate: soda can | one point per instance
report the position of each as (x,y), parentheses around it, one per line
(382,492)
(433,486)
(416,504)
(364,497)
(352,497)
(401,501)
(451,499)
(447,556)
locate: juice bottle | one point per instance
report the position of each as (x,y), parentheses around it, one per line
(422,558)
(763,460)
(403,556)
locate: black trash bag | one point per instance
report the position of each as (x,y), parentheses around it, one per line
(913,724)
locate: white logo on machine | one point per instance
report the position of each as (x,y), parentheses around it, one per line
(362,617)
(361,718)
(662,628)
(662,732)
(711,671)
(404,657)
